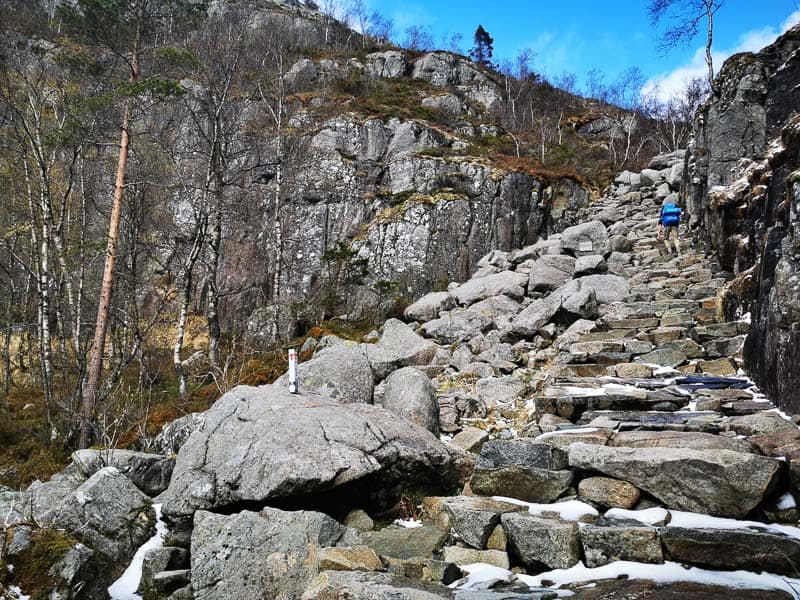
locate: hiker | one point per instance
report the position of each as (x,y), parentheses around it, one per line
(668,223)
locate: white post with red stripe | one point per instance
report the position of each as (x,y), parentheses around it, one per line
(293,371)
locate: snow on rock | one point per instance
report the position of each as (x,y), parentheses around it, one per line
(690,520)
(786,502)
(125,587)
(648,516)
(570,510)
(481,576)
(408,523)
(576,430)
(669,572)
(16,594)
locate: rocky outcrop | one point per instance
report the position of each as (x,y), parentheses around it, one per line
(742,194)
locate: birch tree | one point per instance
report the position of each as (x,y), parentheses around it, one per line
(685,18)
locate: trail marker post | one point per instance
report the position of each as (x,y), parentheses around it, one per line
(293,371)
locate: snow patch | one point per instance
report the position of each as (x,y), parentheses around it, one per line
(107,471)
(124,588)
(786,502)
(550,434)
(570,510)
(669,572)
(691,520)
(408,523)
(481,576)
(16,593)
(648,516)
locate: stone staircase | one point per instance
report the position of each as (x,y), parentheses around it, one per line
(619,449)
(639,409)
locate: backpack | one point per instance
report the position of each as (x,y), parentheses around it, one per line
(670,215)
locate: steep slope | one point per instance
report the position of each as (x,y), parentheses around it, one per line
(592,376)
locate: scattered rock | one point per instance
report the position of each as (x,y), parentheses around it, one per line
(410,394)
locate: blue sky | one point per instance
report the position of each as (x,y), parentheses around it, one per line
(579,35)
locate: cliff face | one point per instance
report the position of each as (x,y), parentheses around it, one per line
(418,198)
(742,194)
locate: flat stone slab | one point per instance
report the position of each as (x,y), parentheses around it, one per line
(400,542)
(733,549)
(528,471)
(678,439)
(714,482)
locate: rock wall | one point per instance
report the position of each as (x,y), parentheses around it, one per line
(407,194)
(743,198)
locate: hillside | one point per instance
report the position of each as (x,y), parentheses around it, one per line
(509,386)
(283,171)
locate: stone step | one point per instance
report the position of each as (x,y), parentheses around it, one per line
(599,336)
(721,330)
(627,420)
(571,402)
(578,370)
(638,324)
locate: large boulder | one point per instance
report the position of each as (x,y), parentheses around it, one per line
(536,315)
(463,323)
(410,394)
(507,283)
(265,444)
(602,545)
(472,518)
(252,555)
(112,515)
(371,586)
(429,306)
(585,238)
(542,544)
(399,346)
(405,543)
(341,373)
(606,288)
(549,272)
(714,482)
(173,435)
(149,472)
(733,549)
(575,300)
(388,64)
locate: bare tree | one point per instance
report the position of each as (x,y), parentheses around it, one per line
(419,38)
(685,18)
(673,117)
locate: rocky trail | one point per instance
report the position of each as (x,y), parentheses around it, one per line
(622,452)
(581,396)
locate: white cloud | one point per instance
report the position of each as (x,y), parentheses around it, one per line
(792,20)
(674,82)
